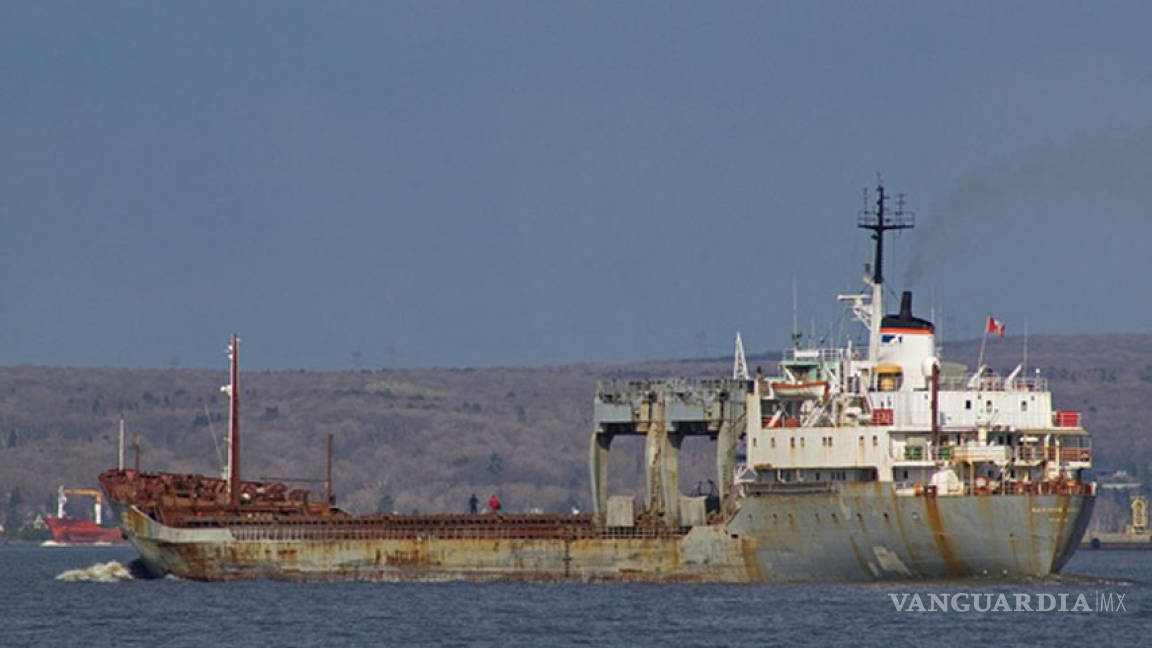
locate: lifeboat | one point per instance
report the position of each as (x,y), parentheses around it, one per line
(799,390)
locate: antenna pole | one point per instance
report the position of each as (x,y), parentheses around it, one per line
(328,478)
(120,463)
(795,325)
(1025,368)
(877,273)
(234,421)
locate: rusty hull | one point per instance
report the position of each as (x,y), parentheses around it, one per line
(702,554)
(856,532)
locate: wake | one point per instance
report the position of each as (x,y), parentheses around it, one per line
(109,572)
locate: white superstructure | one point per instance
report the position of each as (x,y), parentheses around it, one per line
(889,413)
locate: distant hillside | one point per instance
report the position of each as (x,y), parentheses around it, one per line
(426,439)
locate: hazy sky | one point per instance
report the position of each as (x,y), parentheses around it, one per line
(477,183)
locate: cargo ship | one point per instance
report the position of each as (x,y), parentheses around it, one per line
(873,461)
(72,531)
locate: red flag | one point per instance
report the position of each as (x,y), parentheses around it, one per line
(994,326)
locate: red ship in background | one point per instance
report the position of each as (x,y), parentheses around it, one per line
(66,530)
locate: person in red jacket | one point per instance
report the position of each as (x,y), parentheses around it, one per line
(493,503)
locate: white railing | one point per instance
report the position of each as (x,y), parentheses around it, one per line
(994,383)
(996,453)
(824,355)
(999,454)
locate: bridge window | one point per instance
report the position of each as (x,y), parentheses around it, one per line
(1023,406)
(874,441)
(792,441)
(967,404)
(888,377)
(772,442)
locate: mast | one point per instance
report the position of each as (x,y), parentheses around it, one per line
(120,464)
(328,477)
(796,334)
(1025,363)
(880,219)
(739,364)
(234,421)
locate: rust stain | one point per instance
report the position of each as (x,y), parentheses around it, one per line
(403,558)
(752,563)
(953,564)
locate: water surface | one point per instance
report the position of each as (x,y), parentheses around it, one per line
(36,609)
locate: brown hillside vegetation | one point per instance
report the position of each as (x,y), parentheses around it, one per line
(426,439)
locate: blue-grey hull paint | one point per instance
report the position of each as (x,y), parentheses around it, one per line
(866,532)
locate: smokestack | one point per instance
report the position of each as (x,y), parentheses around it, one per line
(906,320)
(906,305)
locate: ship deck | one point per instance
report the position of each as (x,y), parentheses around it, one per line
(388,527)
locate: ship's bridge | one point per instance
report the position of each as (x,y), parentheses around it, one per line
(993,403)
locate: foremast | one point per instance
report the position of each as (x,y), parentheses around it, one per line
(233,391)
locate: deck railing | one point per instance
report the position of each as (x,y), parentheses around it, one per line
(997,453)
(835,354)
(994,383)
(498,528)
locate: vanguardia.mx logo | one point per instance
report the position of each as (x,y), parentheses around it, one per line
(1093,602)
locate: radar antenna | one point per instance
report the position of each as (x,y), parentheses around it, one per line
(880,219)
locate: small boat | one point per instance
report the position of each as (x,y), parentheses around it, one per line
(799,390)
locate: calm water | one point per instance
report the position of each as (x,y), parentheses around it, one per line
(38,610)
